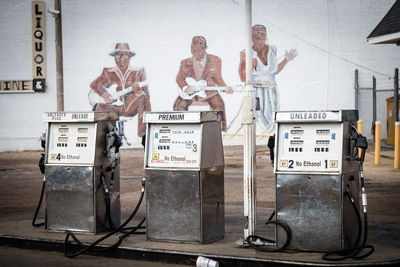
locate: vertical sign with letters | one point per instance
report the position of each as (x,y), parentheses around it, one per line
(38,45)
(37,84)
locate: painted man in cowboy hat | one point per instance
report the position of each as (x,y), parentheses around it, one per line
(201,67)
(131,89)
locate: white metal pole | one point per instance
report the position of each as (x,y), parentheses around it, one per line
(249,159)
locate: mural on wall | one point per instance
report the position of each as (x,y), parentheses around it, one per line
(199,80)
(265,67)
(330,40)
(122,88)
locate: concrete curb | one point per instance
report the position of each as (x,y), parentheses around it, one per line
(171,256)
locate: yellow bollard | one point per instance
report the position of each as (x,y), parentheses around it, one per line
(397,145)
(377,143)
(360,129)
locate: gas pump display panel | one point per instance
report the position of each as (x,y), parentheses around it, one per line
(174,145)
(71,143)
(309,147)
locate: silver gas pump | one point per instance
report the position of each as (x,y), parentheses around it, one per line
(184,167)
(315,170)
(82,172)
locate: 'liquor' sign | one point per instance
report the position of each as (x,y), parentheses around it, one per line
(37,84)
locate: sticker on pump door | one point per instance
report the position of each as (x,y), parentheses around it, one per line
(283,163)
(317,165)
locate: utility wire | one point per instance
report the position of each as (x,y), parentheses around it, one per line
(317,47)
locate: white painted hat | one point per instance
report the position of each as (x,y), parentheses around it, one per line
(122,47)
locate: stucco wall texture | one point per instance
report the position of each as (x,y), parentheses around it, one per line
(329,36)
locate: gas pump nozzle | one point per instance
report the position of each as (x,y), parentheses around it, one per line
(360,142)
(42,159)
(113,142)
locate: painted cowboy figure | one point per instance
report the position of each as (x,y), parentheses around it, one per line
(201,67)
(122,88)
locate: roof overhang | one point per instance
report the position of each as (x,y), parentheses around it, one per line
(392,38)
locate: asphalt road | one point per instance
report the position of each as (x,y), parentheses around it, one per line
(24,258)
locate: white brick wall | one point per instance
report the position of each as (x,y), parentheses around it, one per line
(160,32)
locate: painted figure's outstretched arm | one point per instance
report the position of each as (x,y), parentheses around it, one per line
(289,56)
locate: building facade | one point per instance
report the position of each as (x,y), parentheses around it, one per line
(329,39)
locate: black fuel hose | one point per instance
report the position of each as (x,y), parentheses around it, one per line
(271,216)
(39,205)
(250,240)
(354,252)
(356,211)
(112,225)
(114,246)
(122,237)
(107,201)
(42,168)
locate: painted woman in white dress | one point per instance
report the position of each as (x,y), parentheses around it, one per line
(265,67)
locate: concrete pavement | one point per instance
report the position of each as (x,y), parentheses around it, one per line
(20,182)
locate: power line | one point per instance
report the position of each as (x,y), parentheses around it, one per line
(317,47)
